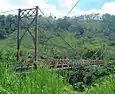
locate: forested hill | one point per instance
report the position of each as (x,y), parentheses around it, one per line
(87,31)
(86,25)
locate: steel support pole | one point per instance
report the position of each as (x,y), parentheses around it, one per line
(18,36)
(36,35)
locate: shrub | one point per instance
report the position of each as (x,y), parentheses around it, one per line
(82,75)
(106,87)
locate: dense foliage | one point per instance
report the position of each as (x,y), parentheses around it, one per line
(83,76)
(87,26)
(106,87)
(42,81)
(86,37)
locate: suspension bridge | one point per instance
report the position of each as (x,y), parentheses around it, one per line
(62,64)
(54,63)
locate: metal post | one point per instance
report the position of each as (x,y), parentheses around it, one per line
(18,35)
(36,35)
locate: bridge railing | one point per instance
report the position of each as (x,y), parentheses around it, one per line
(57,62)
(60,63)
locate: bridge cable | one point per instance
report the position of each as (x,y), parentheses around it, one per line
(73,7)
(55,30)
(43,33)
(8,11)
(59,28)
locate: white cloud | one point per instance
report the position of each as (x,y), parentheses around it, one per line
(109,8)
(68,2)
(4,5)
(47,8)
(106,8)
(65,5)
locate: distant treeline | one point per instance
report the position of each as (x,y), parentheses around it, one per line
(88,26)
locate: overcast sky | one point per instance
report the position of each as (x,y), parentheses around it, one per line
(61,7)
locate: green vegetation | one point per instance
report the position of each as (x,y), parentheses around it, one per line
(42,81)
(107,87)
(83,76)
(90,37)
(86,34)
(90,80)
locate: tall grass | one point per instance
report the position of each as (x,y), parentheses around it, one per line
(106,87)
(41,81)
(45,81)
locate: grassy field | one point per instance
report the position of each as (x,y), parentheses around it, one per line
(42,81)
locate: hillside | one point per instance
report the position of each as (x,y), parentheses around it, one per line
(83,37)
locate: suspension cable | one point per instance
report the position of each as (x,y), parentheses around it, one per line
(8,11)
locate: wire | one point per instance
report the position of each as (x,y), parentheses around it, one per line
(49,21)
(59,28)
(43,33)
(8,11)
(103,52)
(56,29)
(66,15)
(73,8)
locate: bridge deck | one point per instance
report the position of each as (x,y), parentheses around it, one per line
(58,63)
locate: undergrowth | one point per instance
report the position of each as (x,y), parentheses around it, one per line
(41,81)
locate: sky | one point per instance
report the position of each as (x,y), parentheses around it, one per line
(61,7)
